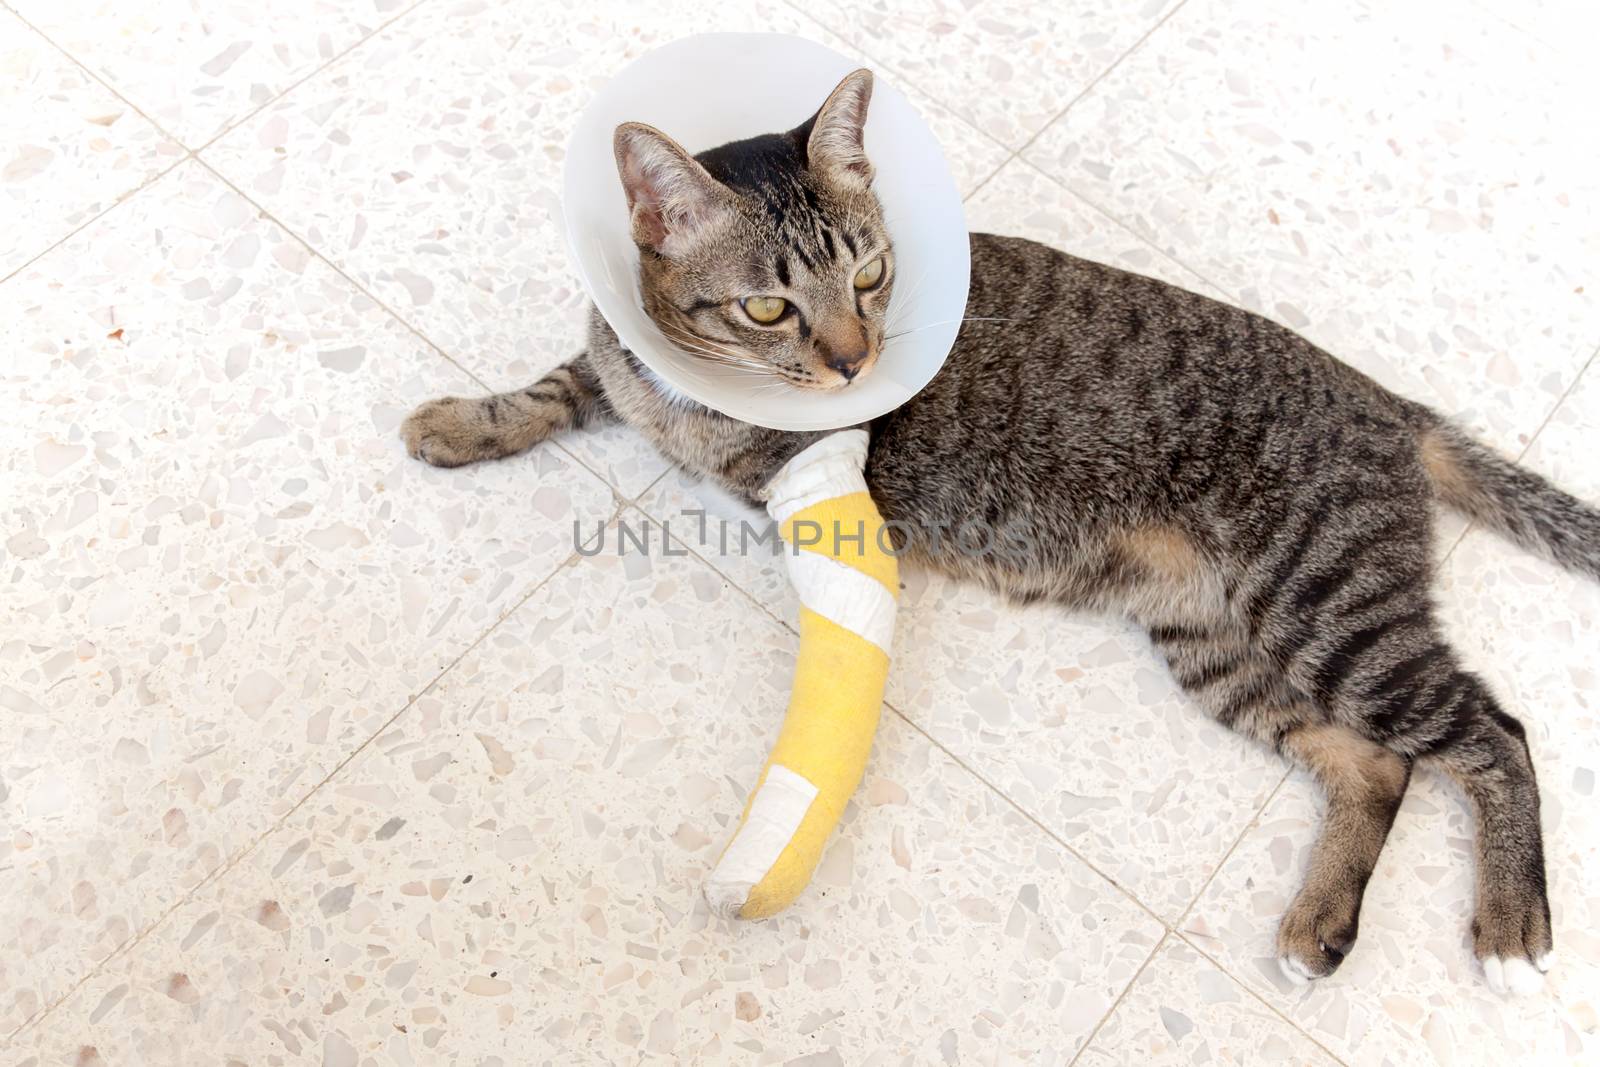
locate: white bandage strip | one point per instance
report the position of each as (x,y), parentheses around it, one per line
(843,595)
(832,467)
(779,806)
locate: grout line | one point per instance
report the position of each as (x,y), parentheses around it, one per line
(97,216)
(1179,927)
(1124,227)
(233,861)
(1562,399)
(621,500)
(1014,153)
(1166,935)
(287,89)
(757,601)
(167,135)
(856,47)
(976,189)
(1237,841)
(1167,929)
(657,480)
(124,197)
(118,93)
(1551,414)
(391,312)
(625,502)
(104,84)
(1521,30)
(935,742)
(1085,91)
(1098,78)
(1263,1001)
(361,288)
(1026,814)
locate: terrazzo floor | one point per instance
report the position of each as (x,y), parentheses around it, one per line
(316,755)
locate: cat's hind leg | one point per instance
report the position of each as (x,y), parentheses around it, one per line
(1387,672)
(453,430)
(1362,782)
(1490,760)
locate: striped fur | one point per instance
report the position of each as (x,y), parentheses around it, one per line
(1265,510)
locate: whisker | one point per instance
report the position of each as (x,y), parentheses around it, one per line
(702,344)
(707,361)
(709,350)
(715,361)
(944,322)
(904,296)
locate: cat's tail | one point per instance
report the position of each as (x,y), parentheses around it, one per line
(1517,503)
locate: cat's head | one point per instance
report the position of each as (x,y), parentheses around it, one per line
(768,253)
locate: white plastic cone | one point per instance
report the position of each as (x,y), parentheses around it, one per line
(706,90)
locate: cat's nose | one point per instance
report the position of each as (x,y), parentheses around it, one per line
(848,366)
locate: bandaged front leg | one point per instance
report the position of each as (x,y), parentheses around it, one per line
(841,565)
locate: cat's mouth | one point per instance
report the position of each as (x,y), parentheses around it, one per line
(832,378)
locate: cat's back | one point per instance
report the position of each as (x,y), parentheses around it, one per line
(1073,377)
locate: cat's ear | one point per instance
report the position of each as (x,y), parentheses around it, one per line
(835,148)
(672,201)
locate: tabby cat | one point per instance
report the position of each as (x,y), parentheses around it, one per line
(1263,509)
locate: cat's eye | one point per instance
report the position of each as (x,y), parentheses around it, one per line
(869,276)
(765,309)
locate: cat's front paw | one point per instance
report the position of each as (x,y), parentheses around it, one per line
(1316,932)
(1511,938)
(445,433)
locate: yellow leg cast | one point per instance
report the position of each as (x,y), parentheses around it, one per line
(847,581)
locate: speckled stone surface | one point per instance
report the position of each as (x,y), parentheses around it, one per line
(198,68)
(273,692)
(1568,27)
(69,149)
(511,875)
(1023,201)
(1184,1010)
(1007,66)
(222,571)
(1413,192)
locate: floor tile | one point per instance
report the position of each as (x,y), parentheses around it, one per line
(68,148)
(1410,992)
(1021,201)
(972,154)
(1569,27)
(197,69)
(512,875)
(1416,194)
(222,571)
(222,575)
(1006,66)
(1183,1010)
(1076,719)
(729,535)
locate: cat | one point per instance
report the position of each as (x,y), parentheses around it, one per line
(1264,510)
